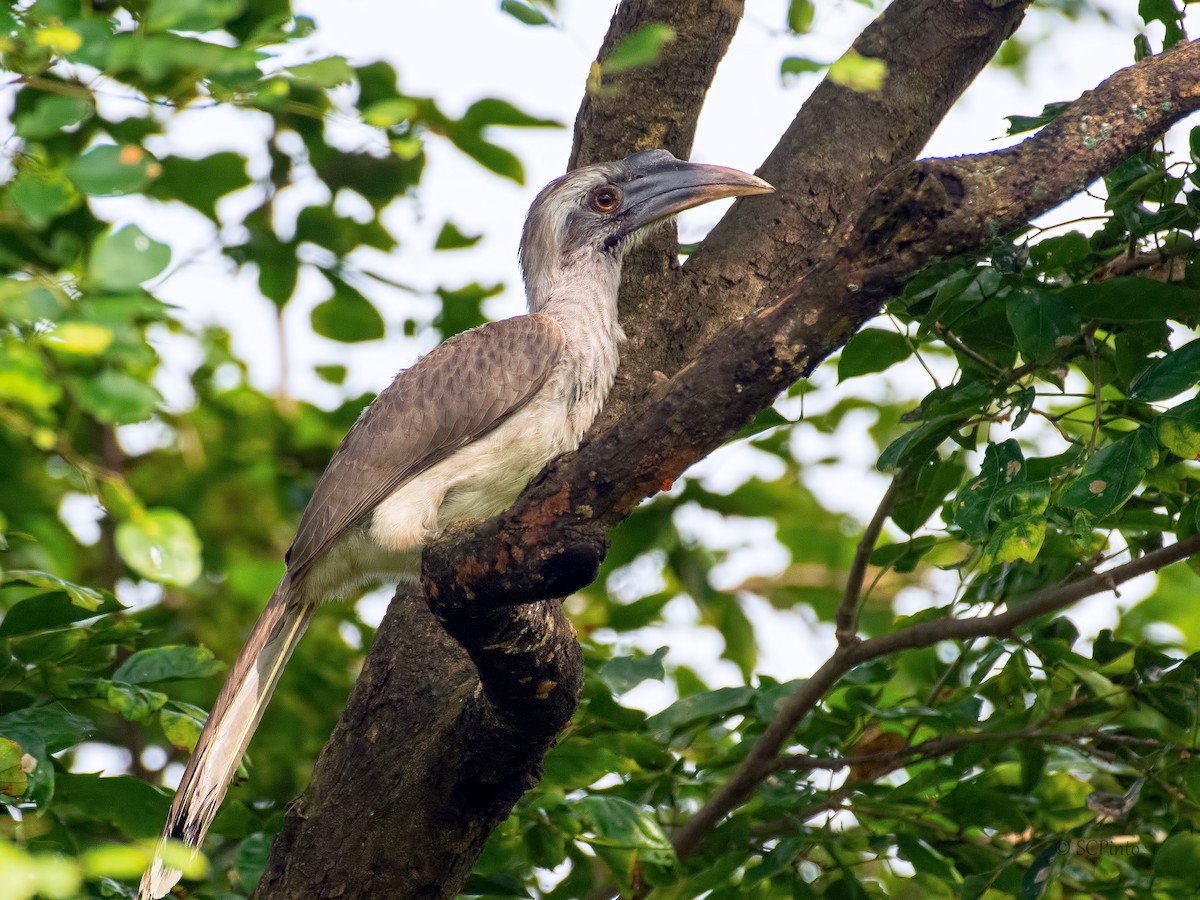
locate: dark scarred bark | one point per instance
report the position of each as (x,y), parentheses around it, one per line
(442,735)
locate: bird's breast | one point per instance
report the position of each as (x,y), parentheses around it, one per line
(484,477)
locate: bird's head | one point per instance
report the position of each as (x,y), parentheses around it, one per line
(593,215)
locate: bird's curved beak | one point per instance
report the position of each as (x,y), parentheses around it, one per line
(665,187)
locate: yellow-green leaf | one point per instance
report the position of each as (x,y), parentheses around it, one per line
(82,338)
(1019,538)
(858,72)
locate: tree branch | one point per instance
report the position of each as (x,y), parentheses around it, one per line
(886,761)
(846,618)
(826,164)
(555,533)
(763,757)
(655,106)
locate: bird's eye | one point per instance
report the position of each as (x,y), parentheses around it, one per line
(605,199)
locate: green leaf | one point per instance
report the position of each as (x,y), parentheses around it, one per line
(324,73)
(919,443)
(793,66)
(858,73)
(45,729)
(450,238)
(14,780)
(113,861)
(640,49)
(497,886)
(24,381)
(1042,321)
(706,707)
(623,673)
(112,171)
(1020,124)
(579,762)
(491,156)
(1164,11)
(86,598)
(778,860)
(1021,498)
(724,612)
(1111,474)
(181,724)
(51,115)
(905,556)
(462,308)
(1171,375)
(191,15)
(171,663)
(1178,429)
(1003,464)
(347,316)
(1061,253)
(122,260)
(524,13)
(491,111)
(615,822)
(1039,874)
(331,374)
(115,397)
(390,112)
(43,196)
(137,704)
(160,544)
(1179,858)
(923,491)
(250,859)
(764,420)
(800,16)
(1017,538)
(49,611)
(80,338)
(200,183)
(872,350)
(1132,299)
(131,805)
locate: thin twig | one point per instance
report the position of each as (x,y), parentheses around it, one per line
(958,346)
(846,618)
(1089,341)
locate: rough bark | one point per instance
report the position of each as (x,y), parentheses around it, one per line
(441,735)
(424,764)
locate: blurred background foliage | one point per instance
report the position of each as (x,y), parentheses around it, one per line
(148,493)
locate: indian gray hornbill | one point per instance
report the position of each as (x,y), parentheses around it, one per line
(455,437)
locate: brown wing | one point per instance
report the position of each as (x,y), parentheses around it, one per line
(455,394)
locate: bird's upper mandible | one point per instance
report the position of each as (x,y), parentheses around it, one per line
(605,209)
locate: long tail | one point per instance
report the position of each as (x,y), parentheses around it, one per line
(228,730)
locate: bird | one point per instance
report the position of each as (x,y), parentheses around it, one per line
(453,438)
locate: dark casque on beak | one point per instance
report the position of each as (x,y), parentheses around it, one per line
(659,185)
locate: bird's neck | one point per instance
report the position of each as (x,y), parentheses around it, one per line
(580,293)
(582,299)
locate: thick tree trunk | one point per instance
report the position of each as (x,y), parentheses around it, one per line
(425,763)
